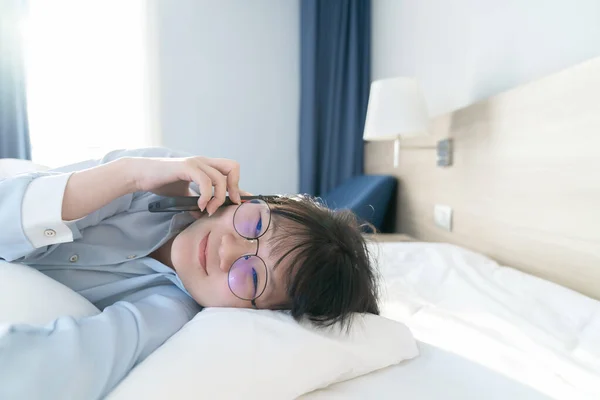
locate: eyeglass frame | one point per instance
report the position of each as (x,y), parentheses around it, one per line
(247,199)
(190,203)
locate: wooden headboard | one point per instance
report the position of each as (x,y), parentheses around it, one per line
(525,181)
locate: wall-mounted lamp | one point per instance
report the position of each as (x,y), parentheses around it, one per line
(396,110)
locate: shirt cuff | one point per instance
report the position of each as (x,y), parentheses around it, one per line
(41,213)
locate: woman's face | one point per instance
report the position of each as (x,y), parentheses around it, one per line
(204,252)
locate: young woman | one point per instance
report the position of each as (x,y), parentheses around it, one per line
(87,226)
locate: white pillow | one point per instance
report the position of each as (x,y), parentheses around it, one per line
(240,353)
(28,296)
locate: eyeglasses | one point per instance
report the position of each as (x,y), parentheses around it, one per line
(248,274)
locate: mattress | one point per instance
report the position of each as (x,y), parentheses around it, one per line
(435,374)
(517,327)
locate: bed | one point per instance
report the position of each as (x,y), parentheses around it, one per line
(485,331)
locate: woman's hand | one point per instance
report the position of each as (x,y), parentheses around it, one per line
(172,177)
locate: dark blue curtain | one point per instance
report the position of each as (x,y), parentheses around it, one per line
(335,78)
(14,129)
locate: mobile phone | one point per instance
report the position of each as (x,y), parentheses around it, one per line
(189,203)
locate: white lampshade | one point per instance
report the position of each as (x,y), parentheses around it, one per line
(396,109)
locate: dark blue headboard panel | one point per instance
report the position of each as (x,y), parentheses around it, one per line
(370,197)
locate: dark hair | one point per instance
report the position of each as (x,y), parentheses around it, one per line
(330,273)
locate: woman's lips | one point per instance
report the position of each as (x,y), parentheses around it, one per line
(202,252)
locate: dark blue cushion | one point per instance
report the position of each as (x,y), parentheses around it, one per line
(370,197)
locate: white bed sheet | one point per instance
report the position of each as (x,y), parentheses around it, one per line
(436,374)
(522,327)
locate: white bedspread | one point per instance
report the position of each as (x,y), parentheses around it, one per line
(434,375)
(528,329)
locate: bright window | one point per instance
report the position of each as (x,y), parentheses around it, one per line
(87,78)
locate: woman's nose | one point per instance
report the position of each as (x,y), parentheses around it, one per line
(233,247)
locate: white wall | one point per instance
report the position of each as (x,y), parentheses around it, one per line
(466,50)
(229,85)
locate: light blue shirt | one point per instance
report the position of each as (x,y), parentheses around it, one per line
(143,302)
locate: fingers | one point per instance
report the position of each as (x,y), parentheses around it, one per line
(220,173)
(220,185)
(233,179)
(219,182)
(203,180)
(231,169)
(244,193)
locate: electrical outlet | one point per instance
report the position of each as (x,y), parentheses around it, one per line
(442,216)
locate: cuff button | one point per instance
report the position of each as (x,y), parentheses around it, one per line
(49,233)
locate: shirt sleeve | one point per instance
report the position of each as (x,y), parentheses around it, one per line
(31,206)
(85,358)
(42,211)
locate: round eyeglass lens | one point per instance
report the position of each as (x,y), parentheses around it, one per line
(252,219)
(248,277)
